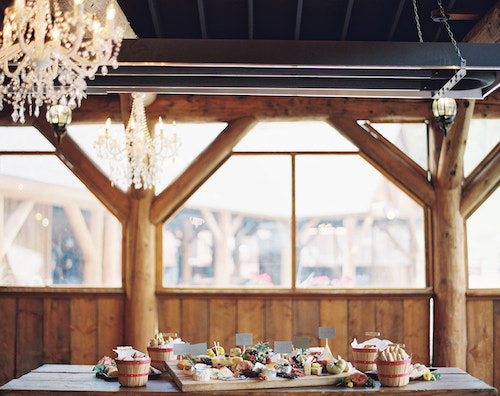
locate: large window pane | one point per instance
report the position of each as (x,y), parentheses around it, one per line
(234,232)
(483,136)
(193,139)
(354,227)
(23,139)
(483,244)
(54,231)
(294,136)
(410,138)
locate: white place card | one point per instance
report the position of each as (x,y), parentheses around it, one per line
(182,348)
(300,342)
(326,332)
(199,349)
(282,346)
(244,339)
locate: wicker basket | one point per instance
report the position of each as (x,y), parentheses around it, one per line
(364,358)
(395,373)
(159,356)
(133,372)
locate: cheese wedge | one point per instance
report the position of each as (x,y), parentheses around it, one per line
(326,355)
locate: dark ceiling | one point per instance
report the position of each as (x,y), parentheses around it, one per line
(335,20)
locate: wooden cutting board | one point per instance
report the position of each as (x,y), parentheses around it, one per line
(187,384)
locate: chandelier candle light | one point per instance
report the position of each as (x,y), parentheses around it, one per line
(138,157)
(46,54)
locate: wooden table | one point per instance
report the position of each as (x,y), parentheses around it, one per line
(54,379)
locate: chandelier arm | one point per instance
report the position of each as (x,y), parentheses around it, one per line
(7,54)
(78,43)
(16,72)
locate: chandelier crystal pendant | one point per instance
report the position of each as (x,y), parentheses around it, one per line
(46,54)
(138,158)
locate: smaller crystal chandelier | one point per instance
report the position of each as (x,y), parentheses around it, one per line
(46,54)
(138,157)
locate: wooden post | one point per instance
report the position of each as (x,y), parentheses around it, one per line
(140,285)
(450,283)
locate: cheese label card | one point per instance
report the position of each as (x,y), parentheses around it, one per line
(182,348)
(326,332)
(244,339)
(199,349)
(282,347)
(301,342)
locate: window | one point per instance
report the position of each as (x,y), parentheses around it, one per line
(352,227)
(483,245)
(54,231)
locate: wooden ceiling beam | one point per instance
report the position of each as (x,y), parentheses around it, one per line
(487,30)
(386,157)
(481,182)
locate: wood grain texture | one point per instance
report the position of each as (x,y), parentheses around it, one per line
(250,318)
(56,334)
(389,319)
(480,333)
(278,320)
(305,321)
(333,313)
(195,320)
(29,339)
(361,318)
(110,319)
(222,322)
(496,343)
(83,330)
(169,315)
(8,338)
(416,328)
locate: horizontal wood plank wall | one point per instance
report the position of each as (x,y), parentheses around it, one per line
(49,328)
(218,318)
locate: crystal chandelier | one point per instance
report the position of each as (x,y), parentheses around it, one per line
(46,54)
(138,157)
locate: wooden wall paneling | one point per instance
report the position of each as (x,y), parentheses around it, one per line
(56,330)
(416,328)
(389,319)
(8,338)
(361,318)
(480,340)
(195,320)
(278,320)
(333,312)
(496,343)
(29,337)
(222,322)
(169,315)
(305,320)
(110,322)
(250,318)
(83,330)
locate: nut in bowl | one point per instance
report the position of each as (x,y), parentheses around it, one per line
(393,366)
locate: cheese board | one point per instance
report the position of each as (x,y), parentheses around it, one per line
(186,383)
